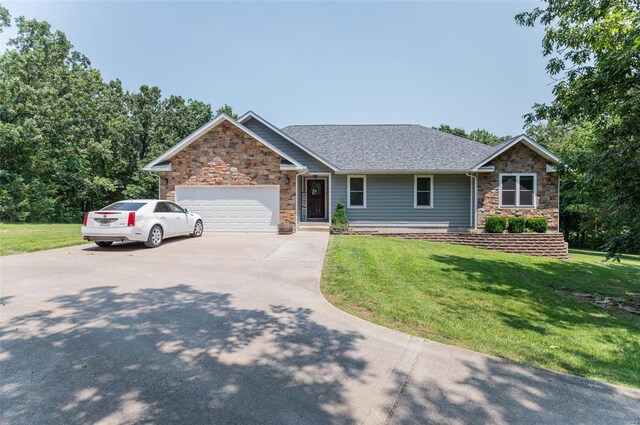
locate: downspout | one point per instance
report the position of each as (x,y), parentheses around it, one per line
(474,199)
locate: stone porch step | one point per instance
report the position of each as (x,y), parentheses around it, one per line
(313,227)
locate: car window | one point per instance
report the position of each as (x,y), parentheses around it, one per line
(124,206)
(161,207)
(175,208)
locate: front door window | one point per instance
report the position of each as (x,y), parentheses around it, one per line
(316,198)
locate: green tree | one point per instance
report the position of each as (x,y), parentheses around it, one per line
(50,114)
(5,18)
(479,135)
(582,214)
(483,136)
(228,110)
(69,141)
(594,55)
(453,130)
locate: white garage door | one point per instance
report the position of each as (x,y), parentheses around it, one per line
(233,208)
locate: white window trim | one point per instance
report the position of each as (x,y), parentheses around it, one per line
(415,191)
(364,190)
(517,205)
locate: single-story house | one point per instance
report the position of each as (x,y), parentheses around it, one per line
(249,175)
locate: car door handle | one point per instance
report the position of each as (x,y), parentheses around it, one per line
(162,217)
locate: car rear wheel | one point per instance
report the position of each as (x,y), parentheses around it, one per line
(197,229)
(155,237)
(103,244)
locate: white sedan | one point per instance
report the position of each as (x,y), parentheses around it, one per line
(145,220)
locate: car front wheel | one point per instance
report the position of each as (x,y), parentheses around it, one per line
(197,229)
(155,237)
(103,244)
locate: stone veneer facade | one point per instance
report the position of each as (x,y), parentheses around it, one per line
(225,155)
(519,159)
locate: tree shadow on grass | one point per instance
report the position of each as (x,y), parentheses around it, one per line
(549,311)
(173,355)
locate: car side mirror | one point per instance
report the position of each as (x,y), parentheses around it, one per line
(186,211)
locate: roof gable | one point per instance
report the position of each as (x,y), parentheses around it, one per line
(158,164)
(508,144)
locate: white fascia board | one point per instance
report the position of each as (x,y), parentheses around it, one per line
(205,128)
(158,168)
(291,167)
(536,147)
(489,169)
(401,171)
(246,117)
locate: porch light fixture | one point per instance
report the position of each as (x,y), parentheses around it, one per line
(286,179)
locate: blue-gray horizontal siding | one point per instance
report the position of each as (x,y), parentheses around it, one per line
(286,146)
(390,198)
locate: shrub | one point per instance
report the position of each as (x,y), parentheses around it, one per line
(339,228)
(538,225)
(340,216)
(495,224)
(516,224)
(339,222)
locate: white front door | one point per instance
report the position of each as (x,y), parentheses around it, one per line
(233,208)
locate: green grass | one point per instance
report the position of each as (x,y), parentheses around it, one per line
(19,238)
(502,304)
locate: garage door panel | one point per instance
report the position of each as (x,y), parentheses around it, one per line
(233,208)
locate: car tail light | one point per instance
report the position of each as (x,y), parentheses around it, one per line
(86,218)
(132,219)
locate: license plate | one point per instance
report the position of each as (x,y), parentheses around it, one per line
(105,224)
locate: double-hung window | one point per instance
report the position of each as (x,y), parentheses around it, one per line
(517,190)
(357,188)
(423,192)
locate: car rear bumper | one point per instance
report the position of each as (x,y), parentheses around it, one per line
(113,235)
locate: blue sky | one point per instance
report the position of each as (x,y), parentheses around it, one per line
(463,63)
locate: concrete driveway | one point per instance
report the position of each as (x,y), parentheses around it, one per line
(232,329)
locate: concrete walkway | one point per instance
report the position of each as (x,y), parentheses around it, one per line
(232,329)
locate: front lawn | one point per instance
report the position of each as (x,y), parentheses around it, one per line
(508,305)
(19,238)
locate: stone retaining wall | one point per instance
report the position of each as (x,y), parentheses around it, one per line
(538,244)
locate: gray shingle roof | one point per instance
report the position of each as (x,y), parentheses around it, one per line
(388,147)
(494,149)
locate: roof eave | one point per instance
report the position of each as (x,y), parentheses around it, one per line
(402,171)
